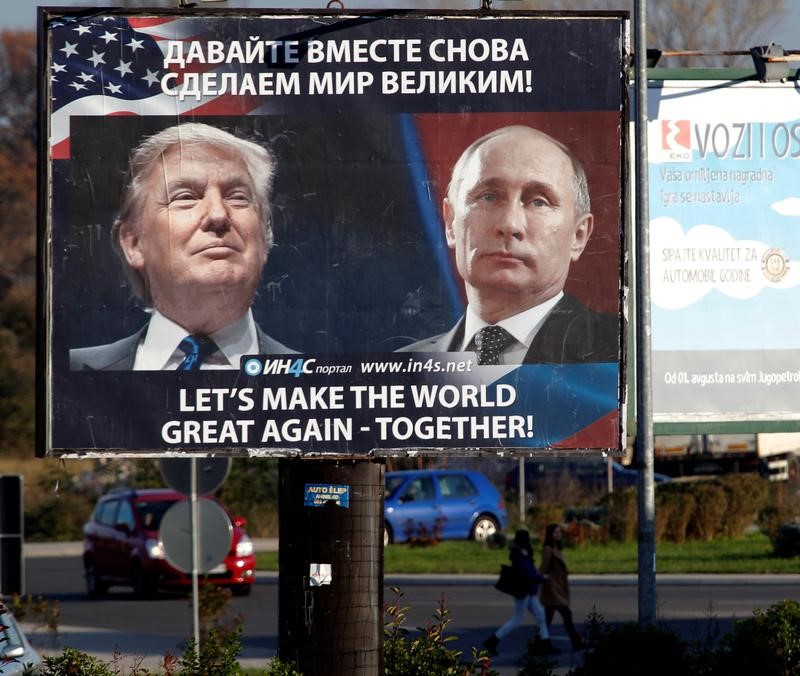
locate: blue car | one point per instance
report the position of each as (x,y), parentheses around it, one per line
(449,503)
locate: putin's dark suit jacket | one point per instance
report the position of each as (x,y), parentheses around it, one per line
(571,334)
(119,356)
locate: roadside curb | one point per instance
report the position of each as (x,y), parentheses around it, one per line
(126,650)
(689,580)
(455,580)
(55,549)
(42,549)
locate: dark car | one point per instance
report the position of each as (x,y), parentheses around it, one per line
(121,546)
(453,503)
(589,473)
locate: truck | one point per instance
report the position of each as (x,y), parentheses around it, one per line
(773,455)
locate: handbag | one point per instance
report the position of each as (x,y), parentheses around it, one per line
(511,582)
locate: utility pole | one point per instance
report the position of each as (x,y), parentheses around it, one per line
(644,400)
(331,565)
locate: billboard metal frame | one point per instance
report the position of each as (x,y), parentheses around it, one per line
(735,424)
(83,300)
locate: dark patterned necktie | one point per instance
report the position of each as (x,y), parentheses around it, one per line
(490,342)
(196,348)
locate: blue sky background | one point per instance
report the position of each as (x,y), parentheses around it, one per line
(20,14)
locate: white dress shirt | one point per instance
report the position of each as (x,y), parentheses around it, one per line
(523,326)
(159,349)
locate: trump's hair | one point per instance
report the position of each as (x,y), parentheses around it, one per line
(259,162)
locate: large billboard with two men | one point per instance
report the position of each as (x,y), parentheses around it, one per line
(330,233)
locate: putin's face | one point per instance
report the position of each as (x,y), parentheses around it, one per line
(199,230)
(511,219)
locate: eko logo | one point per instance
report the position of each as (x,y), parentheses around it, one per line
(295,367)
(676,140)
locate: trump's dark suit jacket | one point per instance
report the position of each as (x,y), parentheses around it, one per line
(119,356)
(571,334)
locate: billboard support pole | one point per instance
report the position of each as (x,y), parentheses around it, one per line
(330,594)
(522,488)
(195,558)
(644,400)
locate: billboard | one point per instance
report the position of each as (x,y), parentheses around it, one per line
(278,187)
(724,207)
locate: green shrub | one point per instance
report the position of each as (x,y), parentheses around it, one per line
(681,516)
(703,510)
(621,514)
(767,644)
(710,513)
(40,612)
(71,662)
(417,534)
(534,663)
(56,507)
(496,540)
(675,507)
(580,532)
(262,519)
(783,505)
(216,657)
(251,491)
(60,517)
(665,506)
(770,520)
(787,544)
(136,472)
(633,650)
(278,667)
(427,653)
(543,513)
(747,495)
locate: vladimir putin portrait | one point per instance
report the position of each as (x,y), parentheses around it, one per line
(517,214)
(193,235)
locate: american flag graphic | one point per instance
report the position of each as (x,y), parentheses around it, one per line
(113,65)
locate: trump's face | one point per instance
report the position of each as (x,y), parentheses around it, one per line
(511,219)
(199,229)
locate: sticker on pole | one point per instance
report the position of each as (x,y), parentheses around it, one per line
(318,495)
(320,574)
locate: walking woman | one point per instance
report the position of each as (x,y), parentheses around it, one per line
(521,556)
(555,589)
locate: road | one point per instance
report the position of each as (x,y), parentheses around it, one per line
(122,622)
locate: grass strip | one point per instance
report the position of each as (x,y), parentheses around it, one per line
(748,555)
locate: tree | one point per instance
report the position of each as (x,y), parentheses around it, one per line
(17,154)
(691,25)
(18,75)
(709,25)
(18,233)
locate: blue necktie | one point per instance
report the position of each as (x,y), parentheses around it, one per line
(196,348)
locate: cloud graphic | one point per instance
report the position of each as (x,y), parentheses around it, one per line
(684,267)
(788,207)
